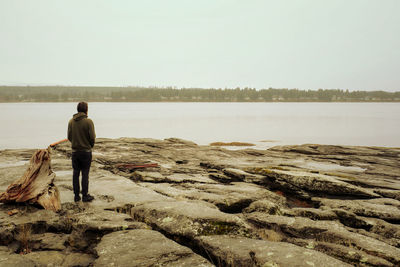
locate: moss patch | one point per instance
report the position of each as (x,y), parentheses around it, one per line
(223,228)
(218,228)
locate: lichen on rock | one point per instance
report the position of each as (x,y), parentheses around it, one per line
(308,205)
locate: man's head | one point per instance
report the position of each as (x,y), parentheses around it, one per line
(82,107)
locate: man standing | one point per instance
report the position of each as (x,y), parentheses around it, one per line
(82,136)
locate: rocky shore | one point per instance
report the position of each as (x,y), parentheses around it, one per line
(308,205)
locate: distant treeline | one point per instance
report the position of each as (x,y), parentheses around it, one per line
(169,94)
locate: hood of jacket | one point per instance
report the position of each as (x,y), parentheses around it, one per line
(79,116)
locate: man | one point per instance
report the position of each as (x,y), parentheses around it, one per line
(82,136)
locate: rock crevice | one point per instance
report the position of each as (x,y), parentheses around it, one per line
(309,205)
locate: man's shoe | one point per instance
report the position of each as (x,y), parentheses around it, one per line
(77,198)
(87,198)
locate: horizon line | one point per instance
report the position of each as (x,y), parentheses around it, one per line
(179,88)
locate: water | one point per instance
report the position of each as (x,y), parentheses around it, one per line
(36,125)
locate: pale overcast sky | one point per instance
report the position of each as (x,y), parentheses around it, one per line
(306,44)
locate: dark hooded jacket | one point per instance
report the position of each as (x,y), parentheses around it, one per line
(81,132)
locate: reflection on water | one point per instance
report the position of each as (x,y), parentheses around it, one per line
(36,125)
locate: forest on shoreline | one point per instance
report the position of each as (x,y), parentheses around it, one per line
(171,94)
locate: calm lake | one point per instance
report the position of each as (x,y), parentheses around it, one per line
(36,125)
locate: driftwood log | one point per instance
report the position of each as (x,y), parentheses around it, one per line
(36,185)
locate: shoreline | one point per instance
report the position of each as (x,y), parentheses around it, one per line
(32,125)
(207,204)
(214,102)
(254,145)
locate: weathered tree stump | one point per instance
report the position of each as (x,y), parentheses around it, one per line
(36,185)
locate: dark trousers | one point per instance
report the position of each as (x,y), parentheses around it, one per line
(81,161)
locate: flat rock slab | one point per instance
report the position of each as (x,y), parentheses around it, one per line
(327,231)
(313,182)
(45,258)
(230,198)
(388,210)
(188,218)
(105,221)
(144,248)
(264,205)
(312,213)
(123,192)
(240,251)
(56,258)
(7,259)
(38,219)
(234,197)
(48,241)
(380,164)
(190,178)
(240,175)
(395,194)
(354,256)
(340,201)
(156,177)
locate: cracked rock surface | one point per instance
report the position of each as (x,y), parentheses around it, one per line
(307,205)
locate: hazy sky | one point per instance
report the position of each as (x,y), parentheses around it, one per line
(307,44)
